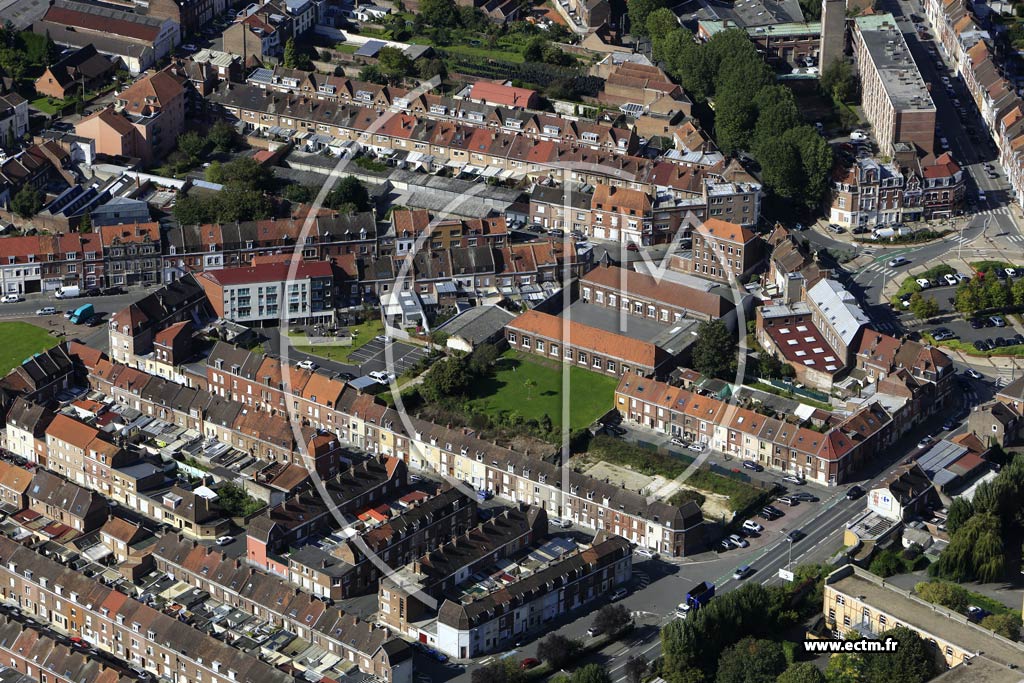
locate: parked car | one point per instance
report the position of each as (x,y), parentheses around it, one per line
(977,323)
(750,526)
(858,135)
(804,497)
(793,479)
(225,540)
(46,310)
(923,283)
(948,426)
(307,365)
(529,663)
(786,500)
(753,466)
(942,334)
(619,594)
(632,246)
(593,632)
(998,321)
(697,446)
(981,345)
(738,541)
(10,299)
(950,279)
(976,614)
(645,552)
(678,441)
(837,229)
(973,374)
(93,291)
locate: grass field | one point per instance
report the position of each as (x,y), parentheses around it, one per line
(43,105)
(524,385)
(19,340)
(363,332)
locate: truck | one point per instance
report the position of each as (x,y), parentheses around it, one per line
(71,292)
(83,314)
(696,597)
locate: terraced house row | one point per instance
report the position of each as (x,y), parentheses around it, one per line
(116,623)
(316,402)
(970,50)
(829,454)
(515,144)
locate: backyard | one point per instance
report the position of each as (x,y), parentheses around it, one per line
(20,340)
(533,388)
(361,334)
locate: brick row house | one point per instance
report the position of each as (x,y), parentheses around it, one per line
(831,457)
(360,420)
(267,597)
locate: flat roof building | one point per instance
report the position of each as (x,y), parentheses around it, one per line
(895,98)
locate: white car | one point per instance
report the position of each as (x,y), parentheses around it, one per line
(858,135)
(619,594)
(189,47)
(10,299)
(752,527)
(923,283)
(951,279)
(645,552)
(1011,272)
(697,446)
(381,376)
(307,365)
(46,310)
(225,540)
(973,374)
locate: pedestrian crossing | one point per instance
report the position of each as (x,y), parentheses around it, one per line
(1016,238)
(880,267)
(885,327)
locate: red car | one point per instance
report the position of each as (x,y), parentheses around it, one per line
(529,663)
(632,246)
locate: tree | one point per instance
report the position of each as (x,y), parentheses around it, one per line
(591,673)
(298,194)
(223,136)
(393,64)
(192,145)
(801,672)
(922,307)
(482,358)
(85,224)
(446,379)
(1006,625)
(886,564)
(714,352)
(975,551)
(944,593)
(838,81)
(635,668)
(1018,284)
(781,169)
(295,57)
(960,510)
(533,50)
(969,298)
(501,671)
(912,662)
(439,13)
(751,661)
(816,160)
(429,68)
(638,11)
(612,618)
(348,192)
(557,650)
(998,293)
(192,210)
(660,23)
(847,667)
(27,202)
(735,115)
(776,113)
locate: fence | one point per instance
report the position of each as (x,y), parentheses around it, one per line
(799,391)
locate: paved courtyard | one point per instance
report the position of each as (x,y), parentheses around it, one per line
(373,356)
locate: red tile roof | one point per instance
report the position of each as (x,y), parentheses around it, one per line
(586,337)
(274,272)
(101,24)
(504,95)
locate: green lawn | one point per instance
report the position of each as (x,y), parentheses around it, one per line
(363,332)
(19,340)
(523,384)
(43,105)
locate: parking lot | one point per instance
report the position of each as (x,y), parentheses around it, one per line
(372,356)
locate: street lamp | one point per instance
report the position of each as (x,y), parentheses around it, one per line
(790,565)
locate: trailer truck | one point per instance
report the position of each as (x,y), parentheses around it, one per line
(696,597)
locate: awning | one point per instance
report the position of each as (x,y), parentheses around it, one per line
(452,163)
